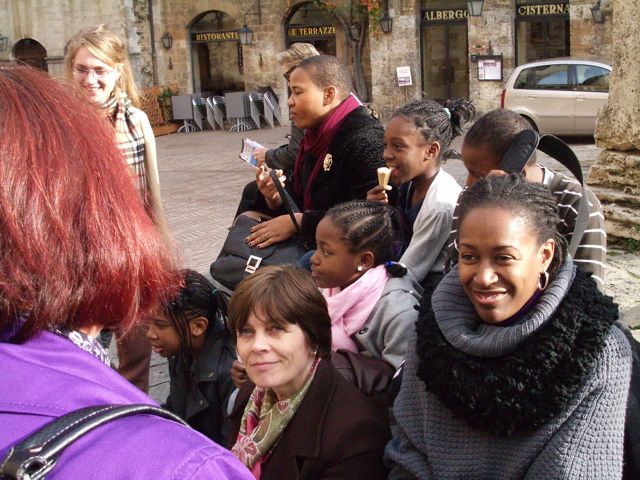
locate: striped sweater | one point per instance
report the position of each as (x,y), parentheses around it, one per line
(592,251)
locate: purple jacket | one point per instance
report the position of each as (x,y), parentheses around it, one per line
(49,376)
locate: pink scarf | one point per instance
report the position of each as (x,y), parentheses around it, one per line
(316,142)
(350,308)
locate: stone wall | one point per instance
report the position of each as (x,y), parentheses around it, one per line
(491,34)
(52,22)
(399,48)
(589,39)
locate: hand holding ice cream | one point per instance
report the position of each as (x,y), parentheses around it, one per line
(379,192)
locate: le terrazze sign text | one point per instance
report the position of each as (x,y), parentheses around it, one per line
(319,31)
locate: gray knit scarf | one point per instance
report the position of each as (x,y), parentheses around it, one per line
(463,329)
(514,379)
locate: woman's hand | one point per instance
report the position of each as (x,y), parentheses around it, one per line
(273,231)
(260,155)
(268,189)
(238,373)
(378,194)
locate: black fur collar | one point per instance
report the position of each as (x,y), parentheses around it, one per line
(520,391)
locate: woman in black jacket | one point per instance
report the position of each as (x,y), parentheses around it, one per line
(339,154)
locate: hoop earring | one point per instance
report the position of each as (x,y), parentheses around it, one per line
(542,285)
(359,268)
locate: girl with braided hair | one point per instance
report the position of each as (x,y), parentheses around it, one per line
(371,298)
(515,369)
(416,140)
(191,331)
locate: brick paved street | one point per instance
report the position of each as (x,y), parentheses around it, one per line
(202,179)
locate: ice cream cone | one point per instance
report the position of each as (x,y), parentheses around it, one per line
(383,176)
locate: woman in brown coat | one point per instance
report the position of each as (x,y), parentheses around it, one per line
(297,417)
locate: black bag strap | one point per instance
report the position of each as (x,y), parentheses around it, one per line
(288,202)
(524,145)
(34,457)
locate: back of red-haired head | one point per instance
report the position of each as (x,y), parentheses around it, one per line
(77,248)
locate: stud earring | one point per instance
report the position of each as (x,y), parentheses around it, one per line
(359,268)
(543,281)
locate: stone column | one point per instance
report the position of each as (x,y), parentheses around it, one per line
(616,174)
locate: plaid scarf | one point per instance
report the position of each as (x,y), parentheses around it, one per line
(129,137)
(264,420)
(85,342)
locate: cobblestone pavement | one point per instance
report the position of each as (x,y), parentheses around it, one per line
(202,180)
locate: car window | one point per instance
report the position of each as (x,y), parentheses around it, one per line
(545,77)
(592,79)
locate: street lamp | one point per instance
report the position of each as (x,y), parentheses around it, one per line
(167,40)
(246,35)
(386,23)
(597,13)
(4,43)
(475,7)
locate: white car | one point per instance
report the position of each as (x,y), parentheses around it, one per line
(560,95)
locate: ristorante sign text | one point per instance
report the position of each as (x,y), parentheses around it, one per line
(215,36)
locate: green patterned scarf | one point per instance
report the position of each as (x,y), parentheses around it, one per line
(263,421)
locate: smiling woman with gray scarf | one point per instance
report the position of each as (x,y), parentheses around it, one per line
(514,370)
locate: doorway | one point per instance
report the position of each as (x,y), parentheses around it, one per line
(216,54)
(31,52)
(445,60)
(542,38)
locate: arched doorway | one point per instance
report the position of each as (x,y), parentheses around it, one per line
(31,52)
(216,53)
(307,22)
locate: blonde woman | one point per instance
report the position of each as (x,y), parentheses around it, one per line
(96,59)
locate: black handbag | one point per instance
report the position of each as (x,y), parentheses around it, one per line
(238,260)
(34,457)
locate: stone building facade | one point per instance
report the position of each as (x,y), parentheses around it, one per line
(440,43)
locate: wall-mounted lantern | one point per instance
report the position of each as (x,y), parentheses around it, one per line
(475,7)
(246,35)
(386,22)
(167,40)
(597,13)
(4,43)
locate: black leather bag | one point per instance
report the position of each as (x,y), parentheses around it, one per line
(238,260)
(36,456)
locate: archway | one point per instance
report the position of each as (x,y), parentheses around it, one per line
(216,53)
(31,52)
(307,22)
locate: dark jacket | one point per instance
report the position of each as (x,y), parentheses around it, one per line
(336,433)
(204,403)
(356,151)
(284,156)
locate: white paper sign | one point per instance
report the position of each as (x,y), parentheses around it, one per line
(489,69)
(404,76)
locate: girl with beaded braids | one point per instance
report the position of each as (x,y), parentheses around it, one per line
(515,369)
(191,331)
(371,298)
(415,142)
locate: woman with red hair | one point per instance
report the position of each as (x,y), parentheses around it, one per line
(78,253)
